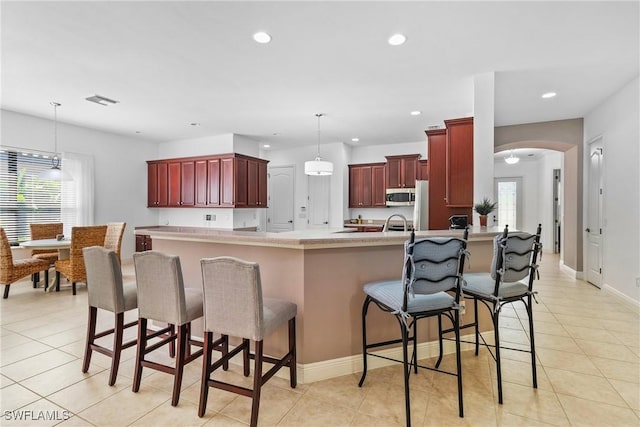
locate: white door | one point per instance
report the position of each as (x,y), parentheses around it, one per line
(509,197)
(595,194)
(281,191)
(319,187)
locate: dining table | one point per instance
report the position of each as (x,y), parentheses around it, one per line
(63,247)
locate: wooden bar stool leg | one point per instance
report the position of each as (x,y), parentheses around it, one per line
(206,372)
(117,347)
(257,384)
(245,357)
(172,345)
(293,363)
(183,341)
(225,351)
(142,346)
(91,333)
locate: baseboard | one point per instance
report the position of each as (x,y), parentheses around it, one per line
(318,371)
(626,298)
(570,271)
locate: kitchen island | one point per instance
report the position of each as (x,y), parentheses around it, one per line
(323,272)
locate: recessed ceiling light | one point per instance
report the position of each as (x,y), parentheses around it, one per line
(194,124)
(266,146)
(355,139)
(416,113)
(262,37)
(138,131)
(549,95)
(397,39)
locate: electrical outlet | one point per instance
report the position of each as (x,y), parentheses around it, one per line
(463,304)
(207,217)
(638,282)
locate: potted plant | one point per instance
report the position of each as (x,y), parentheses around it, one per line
(484,208)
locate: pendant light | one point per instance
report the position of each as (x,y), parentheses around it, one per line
(318,166)
(55,173)
(511,160)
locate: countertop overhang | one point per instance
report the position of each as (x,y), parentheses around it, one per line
(306,239)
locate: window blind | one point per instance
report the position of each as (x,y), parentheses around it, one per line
(24,197)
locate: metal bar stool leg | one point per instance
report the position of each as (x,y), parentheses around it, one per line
(365,308)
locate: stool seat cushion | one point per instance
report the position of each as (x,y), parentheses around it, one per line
(276,312)
(391,293)
(482,285)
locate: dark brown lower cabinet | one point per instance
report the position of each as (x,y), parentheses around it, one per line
(143,242)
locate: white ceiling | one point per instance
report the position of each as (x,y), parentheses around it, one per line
(173,63)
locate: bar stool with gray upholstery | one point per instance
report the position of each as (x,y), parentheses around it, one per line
(163,297)
(513,270)
(107,292)
(234,306)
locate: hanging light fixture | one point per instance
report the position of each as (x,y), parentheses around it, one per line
(318,166)
(512,160)
(55,173)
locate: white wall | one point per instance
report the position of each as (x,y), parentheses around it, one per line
(377,153)
(617,120)
(483,139)
(119,161)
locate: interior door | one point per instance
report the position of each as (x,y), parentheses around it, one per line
(595,195)
(319,188)
(281,191)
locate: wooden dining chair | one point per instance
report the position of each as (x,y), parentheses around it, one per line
(41,231)
(73,268)
(10,270)
(113,239)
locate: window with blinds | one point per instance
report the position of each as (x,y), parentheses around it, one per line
(24,197)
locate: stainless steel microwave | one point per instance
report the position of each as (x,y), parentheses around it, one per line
(401,196)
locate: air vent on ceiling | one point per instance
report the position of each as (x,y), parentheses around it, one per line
(101,100)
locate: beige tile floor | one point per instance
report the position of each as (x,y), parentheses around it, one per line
(588,346)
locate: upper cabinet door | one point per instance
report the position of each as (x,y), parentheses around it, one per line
(227,196)
(378,187)
(213,182)
(402,171)
(263,176)
(174,172)
(367,185)
(459,163)
(423,170)
(188,183)
(201,182)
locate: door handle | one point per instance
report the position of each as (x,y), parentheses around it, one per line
(290,221)
(588,230)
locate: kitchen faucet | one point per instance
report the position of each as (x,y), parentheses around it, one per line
(386,223)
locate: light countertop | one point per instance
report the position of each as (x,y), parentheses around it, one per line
(306,239)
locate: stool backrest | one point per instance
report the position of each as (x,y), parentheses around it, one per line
(160,287)
(436,263)
(515,256)
(232,294)
(104,279)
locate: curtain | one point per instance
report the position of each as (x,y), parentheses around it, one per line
(77,195)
